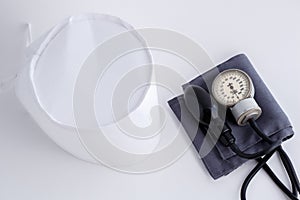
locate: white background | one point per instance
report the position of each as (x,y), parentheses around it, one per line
(32,167)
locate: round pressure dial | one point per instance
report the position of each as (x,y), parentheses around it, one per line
(232,86)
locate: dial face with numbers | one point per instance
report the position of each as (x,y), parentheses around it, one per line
(231,86)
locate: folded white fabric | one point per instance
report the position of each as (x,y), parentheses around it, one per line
(46,83)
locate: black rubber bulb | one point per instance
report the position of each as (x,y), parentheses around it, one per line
(198,103)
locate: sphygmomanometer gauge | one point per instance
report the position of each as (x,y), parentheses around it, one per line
(234,88)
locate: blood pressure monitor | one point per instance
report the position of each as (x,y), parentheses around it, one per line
(234,89)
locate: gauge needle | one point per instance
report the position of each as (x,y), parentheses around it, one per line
(233,91)
(237,96)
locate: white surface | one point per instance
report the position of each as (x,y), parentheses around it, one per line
(33,167)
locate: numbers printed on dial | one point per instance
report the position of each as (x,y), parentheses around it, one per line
(231,86)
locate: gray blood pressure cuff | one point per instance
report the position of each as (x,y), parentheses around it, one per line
(222,160)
